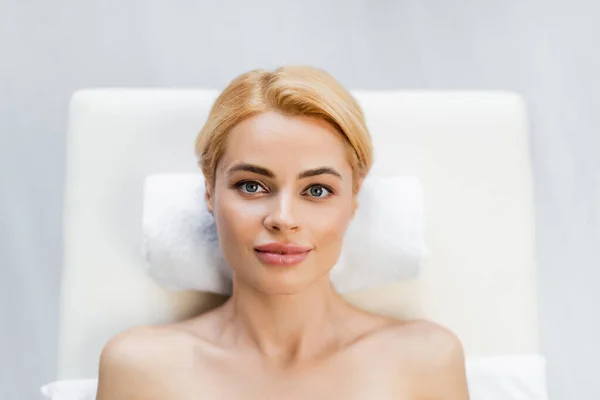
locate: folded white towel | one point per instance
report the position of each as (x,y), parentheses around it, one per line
(384,243)
(514,377)
(75,389)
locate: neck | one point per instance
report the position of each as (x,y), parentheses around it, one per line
(286,327)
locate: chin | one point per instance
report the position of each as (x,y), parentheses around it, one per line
(282,281)
(278,285)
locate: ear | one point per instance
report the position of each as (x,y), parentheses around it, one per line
(355,197)
(354,205)
(208,196)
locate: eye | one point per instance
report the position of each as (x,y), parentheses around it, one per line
(250,187)
(319,191)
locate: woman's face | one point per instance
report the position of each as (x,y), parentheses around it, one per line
(282,201)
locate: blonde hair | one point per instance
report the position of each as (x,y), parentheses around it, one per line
(290,90)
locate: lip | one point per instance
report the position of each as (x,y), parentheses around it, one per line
(282,254)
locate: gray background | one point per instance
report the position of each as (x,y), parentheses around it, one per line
(546,50)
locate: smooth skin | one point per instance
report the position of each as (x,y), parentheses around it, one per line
(285,333)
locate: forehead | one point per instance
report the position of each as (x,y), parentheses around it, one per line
(278,141)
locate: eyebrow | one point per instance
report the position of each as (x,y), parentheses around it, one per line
(269,174)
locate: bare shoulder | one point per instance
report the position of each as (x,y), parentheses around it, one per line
(131,362)
(434,358)
(431,342)
(144,342)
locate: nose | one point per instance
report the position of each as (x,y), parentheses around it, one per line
(280,216)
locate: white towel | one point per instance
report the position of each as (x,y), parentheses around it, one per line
(75,389)
(384,242)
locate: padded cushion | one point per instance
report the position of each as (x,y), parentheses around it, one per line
(384,242)
(468,149)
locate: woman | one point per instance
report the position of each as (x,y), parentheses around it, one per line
(284,154)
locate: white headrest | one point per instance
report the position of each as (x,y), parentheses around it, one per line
(384,242)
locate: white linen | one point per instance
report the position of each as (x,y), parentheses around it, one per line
(515,377)
(80,389)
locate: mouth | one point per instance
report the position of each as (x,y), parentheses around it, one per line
(282,254)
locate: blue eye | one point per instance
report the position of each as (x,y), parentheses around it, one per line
(319,191)
(250,187)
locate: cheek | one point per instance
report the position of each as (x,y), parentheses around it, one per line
(330,225)
(237,220)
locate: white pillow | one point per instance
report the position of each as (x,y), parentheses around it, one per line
(384,243)
(520,377)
